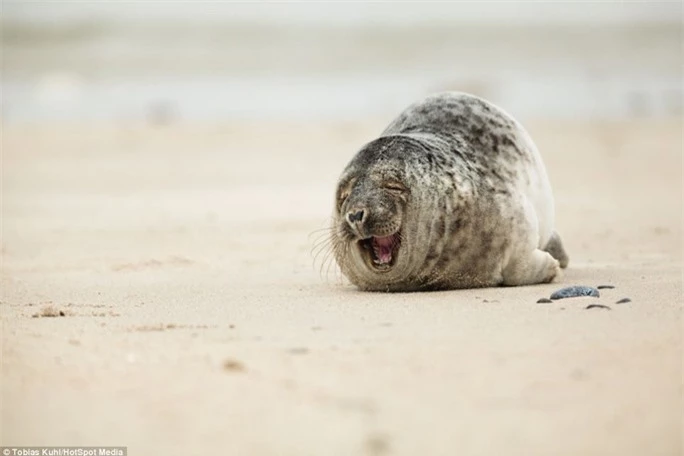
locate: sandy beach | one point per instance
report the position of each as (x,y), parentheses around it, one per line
(159,292)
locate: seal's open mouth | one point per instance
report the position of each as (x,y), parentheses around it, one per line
(381,252)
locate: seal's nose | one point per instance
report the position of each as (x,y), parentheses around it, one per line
(355,215)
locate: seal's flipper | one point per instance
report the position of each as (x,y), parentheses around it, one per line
(535,267)
(555,248)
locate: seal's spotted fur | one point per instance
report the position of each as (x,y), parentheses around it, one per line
(457,192)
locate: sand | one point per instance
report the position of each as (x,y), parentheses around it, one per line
(159,292)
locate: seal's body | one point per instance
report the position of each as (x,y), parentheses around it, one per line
(453,194)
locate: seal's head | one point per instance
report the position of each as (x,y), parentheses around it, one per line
(371,231)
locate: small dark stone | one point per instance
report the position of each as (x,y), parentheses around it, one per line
(597,306)
(544,301)
(233,365)
(623,301)
(601,287)
(575,291)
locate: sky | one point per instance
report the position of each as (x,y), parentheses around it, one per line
(349,13)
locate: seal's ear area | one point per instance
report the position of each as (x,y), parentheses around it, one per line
(342,196)
(343,192)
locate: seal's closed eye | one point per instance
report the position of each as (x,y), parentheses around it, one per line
(394,186)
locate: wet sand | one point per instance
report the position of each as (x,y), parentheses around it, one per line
(159,292)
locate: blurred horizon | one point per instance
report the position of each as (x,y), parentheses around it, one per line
(254,60)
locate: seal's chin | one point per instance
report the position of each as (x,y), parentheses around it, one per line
(380,252)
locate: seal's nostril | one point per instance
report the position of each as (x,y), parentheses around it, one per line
(355,216)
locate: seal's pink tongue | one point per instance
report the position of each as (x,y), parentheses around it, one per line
(382,246)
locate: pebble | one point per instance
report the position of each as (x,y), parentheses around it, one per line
(233,365)
(623,301)
(544,301)
(601,287)
(597,306)
(575,291)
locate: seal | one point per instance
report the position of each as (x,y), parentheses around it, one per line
(453,194)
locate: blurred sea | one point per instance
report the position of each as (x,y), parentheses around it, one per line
(212,61)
